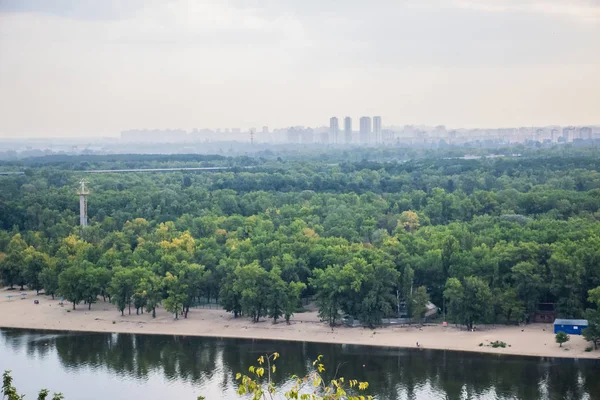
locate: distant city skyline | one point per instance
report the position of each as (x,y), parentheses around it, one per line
(97,67)
(374,126)
(368,135)
(370,132)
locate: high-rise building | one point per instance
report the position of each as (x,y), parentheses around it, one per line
(334,129)
(377,129)
(348,130)
(387,136)
(585,133)
(539,135)
(365,130)
(265,129)
(568,134)
(307,136)
(293,135)
(451,137)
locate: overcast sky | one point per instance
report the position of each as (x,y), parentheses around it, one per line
(96,67)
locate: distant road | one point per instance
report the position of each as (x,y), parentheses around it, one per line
(13,173)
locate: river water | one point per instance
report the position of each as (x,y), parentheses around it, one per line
(123,366)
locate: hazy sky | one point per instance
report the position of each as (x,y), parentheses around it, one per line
(91,67)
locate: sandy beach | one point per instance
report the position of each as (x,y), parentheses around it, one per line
(531,340)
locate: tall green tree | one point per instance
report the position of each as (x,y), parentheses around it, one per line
(151,287)
(104,279)
(277,295)
(176,294)
(449,255)
(193,277)
(528,283)
(230,297)
(376,291)
(407,282)
(251,282)
(12,266)
(566,279)
(592,332)
(122,287)
(35,262)
(454,295)
(510,305)
(329,292)
(139,300)
(49,279)
(292,299)
(71,284)
(420,300)
(470,302)
(90,284)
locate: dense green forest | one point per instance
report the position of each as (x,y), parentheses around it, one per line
(486,240)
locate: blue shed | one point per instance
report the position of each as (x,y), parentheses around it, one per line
(570,326)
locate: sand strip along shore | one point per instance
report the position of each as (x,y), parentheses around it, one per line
(531,340)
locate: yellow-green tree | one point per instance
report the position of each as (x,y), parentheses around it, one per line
(10,392)
(259,383)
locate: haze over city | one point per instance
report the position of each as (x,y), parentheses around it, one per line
(97,68)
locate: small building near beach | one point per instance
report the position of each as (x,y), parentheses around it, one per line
(570,326)
(545,313)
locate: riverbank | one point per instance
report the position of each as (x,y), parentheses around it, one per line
(532,340)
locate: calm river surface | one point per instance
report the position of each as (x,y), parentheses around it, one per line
(123,366)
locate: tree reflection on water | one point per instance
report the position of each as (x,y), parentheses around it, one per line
(391,373)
